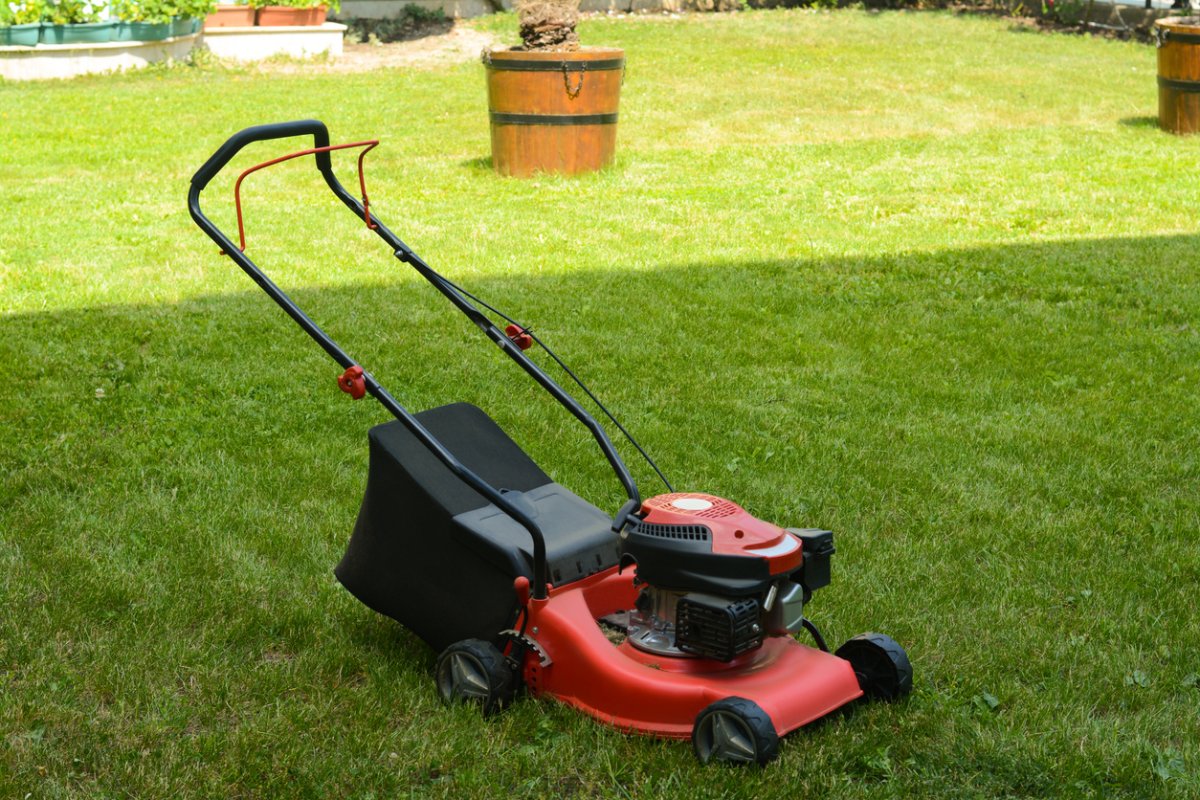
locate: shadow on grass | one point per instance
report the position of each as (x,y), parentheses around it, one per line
(1140,122)
(481,164)
(178,481)
(1014,352)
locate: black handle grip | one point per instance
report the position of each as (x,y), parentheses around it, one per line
(262,133)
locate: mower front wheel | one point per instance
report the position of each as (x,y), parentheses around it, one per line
(880,664)
(475,671)
(735,731)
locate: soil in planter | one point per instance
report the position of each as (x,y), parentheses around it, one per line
(548,26)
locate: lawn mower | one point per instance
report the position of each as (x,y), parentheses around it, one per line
(676,617)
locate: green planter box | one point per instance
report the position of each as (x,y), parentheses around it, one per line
(20,35)
(142,31)
(182,26)
(82,33)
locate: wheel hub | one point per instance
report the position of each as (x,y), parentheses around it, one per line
(724,737)
(466,678)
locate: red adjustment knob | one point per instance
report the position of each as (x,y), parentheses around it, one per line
(352,382)
(519,337)
(521,587)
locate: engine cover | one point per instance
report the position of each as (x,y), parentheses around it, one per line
(695,542)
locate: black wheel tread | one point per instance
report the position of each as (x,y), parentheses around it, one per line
(869,645)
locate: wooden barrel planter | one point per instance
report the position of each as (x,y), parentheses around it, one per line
(1178,40)
(553,112)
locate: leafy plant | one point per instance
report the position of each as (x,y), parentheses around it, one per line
(28,12)
(1168,764)
(1068,12)
(985,701)
(332,5)
(151,11)
(197,9)
(1138,678)
(160,11)
(72,12)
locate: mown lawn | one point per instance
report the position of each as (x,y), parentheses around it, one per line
(920,278)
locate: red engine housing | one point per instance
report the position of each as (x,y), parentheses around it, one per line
(735,532)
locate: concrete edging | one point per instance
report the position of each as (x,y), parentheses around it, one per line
(69,60)
(256,43)
(49,61)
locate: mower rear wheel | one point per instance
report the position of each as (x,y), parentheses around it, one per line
(880,664)
(735,731)
(475,671)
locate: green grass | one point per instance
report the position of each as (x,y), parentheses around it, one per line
(922,279)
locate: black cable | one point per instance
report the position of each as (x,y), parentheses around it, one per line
(816,634)
(562,365)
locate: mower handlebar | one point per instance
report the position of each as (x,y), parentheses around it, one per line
(320,135)
(262,133)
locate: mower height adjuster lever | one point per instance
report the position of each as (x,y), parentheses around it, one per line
(352,382)
(520,336)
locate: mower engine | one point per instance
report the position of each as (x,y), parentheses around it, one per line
(715,581)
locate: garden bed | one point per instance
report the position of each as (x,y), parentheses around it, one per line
(70,60)
(47,61)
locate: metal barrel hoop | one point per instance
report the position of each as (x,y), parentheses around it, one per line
(1164,36)
(1186,87)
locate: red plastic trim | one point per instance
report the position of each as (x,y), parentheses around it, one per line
(352,382)
(735,532)
(519,336)
(362,181)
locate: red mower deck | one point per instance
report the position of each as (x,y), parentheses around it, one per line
(636,691)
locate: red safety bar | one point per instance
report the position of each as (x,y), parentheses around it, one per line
(362,181)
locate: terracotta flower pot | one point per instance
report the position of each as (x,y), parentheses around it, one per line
(286,16)
(230,16)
